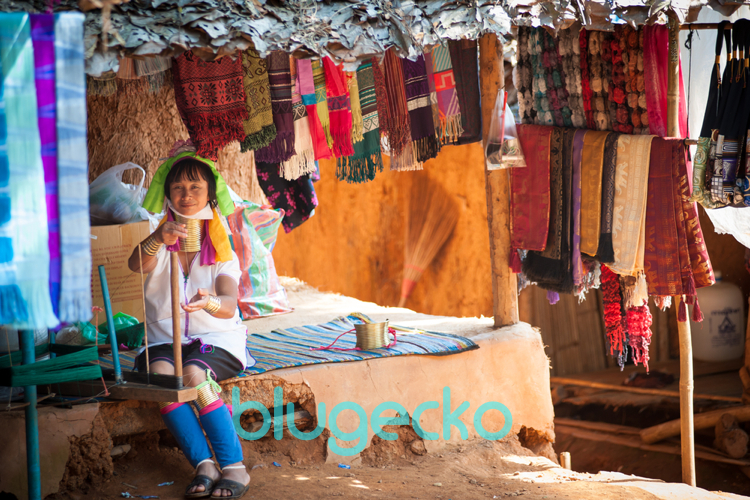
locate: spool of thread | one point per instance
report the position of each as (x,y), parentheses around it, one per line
(195,233)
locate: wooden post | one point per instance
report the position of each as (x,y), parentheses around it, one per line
(686,347)
(497,185)
(176,333)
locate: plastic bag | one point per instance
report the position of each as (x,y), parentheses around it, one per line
(88,331)
(113,202)
(121,320)
(503,149)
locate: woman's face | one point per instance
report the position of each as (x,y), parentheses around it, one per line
(189,197)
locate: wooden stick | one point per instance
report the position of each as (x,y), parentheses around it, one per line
(638,390)
(497,185)
(701,421)
(704,26)
(176,333)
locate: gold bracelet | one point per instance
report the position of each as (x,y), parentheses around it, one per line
(151,246)
(214,304)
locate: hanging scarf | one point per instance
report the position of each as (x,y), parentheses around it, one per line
(367,159)
(43,37)
(605,252)
(357,125)
(381,95)
(72,161)
(464,62)
(569,49)
(523,77)
(258,125)
(307,90)
(447,98)
(552,268)
(655,65)
(599,48)
(592,167)
(28,211)
(620,116)
(210,99)
(555,79)
(399,133)
(423,138)
(578,271)
(614,323)
(280,82)
(438,125)
(636,83)
(631,194)
(530,190)
(587,95)
(303,161)
(321,100)
(639,320)
(544,115)
(297,198)
(339,109)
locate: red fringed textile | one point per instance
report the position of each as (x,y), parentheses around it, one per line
(620,115)
(639,333)
(586,92)
(384,115)
(339,109)
(399,124)
(613,320)
(210,97)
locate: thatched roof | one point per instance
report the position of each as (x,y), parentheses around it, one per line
(346,29)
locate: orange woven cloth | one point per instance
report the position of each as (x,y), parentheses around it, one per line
(591,190)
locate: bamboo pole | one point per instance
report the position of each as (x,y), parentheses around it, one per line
(702,421)
(176,334)
(497,185)
(686,348)
(638,390)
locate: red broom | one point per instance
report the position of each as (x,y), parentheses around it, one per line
(431,218)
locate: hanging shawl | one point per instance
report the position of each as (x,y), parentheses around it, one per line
(399,133)
(676,259)
(605,252)
(307,90)
(631,193)
(72,161)
(280,82)
(655,65)
(555,79)
(639,322)
(297,198)
(578,271)
(303,161)
(447,98)
(367,159)
(321,100)
(569,50)
(530,190)
(210,99)
(464,62)
(592,167)
(43,37)
(339,109)
(544,114)
(523,78)
(636,86)
(619,111)
(258,125)
(28,211)
(614,323)
(381,95)
(586,93)
(438,125)
(599,48)
(357,125)
(422,127)
(552,268)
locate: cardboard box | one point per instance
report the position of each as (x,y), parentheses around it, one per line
(111,246)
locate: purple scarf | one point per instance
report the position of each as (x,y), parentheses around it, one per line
(280,80)
(425,141)
(43,38)
(578,271)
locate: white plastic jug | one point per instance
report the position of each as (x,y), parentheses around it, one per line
(721,335)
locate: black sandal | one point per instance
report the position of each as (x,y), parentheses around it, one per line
(238,489)
(200,480)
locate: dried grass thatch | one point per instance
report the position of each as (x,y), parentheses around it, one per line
(142,128)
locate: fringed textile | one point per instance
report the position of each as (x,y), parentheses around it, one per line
(523,77)
(438,125)
(655,65)
(587,95)
(555,79)
(619,110)
(592,166)
(321,100)
(447,98)
(569,50)
(381,95)
(258,126)
(367,160)
(544,114)
(211,101)
(639,322)
(599,48)
(280,81)
(423,138)
(303,161)
(636,85)
(605,252)
(614,323)
(297,198)
(43,37)
(339,108)
(464,60)
(357,125)
(530,190)
(399,133)
(578,271)
(307,91)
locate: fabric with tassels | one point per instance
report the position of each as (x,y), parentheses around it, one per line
(309,100)
(356,106)
(321,99)
(614,323)
(280,83)
(258,125)
(605,253)
(447,98)
(399,132)
(211,100)
(339,108)
(433,99)
(423,138)
(303,161)
(464,60)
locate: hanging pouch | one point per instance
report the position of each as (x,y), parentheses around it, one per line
(113,202)
(502,148)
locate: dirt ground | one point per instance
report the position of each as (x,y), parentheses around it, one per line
(473,470)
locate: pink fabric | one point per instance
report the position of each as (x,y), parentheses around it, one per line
(169,408)
(213,406)
(655,63)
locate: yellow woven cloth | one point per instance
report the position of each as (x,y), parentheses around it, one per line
(219,237)
(357,122)
(592,164)
(259,127)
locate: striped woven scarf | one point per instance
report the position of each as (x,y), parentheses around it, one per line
(280,81)
(321,100)
(399,133)
(303,161)
(307,91)
(464,60)
(339,109)
(424,142)
(367,160)
(445,86)
(351,82)
(433,99)
(259,127)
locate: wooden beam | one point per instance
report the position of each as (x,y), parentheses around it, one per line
(497,185)
(144,392)
(701,421)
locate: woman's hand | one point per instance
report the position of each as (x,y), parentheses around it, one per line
(198,301)
(169,232)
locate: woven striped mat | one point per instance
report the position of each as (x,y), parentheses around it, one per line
(292,346)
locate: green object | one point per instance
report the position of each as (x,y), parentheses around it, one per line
(131,336)
(14,358)
(63,368)
(88,332)
(121,321)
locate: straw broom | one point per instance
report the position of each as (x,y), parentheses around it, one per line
(431,218)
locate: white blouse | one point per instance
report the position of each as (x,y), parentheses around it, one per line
(229,334)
